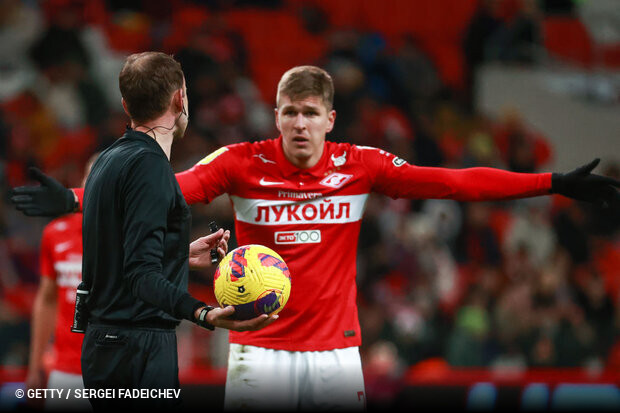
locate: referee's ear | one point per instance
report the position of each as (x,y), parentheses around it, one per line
(178,100)
(125,107)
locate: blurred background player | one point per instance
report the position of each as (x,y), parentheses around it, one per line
(52,314)
(304,197)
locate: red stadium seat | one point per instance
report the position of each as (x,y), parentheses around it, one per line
(566,38)
(427,20)
(611,55)
(276,41)
(184,22)
(342,13)
(448,59)
(131,35)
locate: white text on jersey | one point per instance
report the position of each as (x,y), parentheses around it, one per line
(332,210)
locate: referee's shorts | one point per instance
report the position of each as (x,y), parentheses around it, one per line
(130,357)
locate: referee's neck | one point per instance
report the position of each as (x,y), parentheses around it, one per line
(158,130)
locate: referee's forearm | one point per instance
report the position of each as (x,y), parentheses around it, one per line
(153,288)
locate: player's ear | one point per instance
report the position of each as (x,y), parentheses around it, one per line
(275,111)
(331,118)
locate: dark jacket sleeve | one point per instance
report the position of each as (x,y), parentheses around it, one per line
(147,198)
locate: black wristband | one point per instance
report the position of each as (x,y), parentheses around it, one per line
(556,183)
(202,318)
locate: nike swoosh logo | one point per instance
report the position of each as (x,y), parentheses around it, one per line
(267,183)
(262,158)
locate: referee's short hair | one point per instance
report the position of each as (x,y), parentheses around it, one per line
(301,82)
(147,82)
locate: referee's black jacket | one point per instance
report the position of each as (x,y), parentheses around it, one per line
(136,237)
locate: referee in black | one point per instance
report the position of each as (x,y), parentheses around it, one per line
(136,245)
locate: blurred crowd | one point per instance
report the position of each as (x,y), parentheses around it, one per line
(507,285)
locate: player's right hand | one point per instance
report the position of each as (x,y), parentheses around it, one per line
(49,199)
(221,317)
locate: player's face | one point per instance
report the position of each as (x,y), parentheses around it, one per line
(303,124)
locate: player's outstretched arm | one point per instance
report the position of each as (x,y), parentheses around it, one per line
(49,199)
(583,185)
(221,317)
(200,249)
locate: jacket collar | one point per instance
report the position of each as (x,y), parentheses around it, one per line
(141,136)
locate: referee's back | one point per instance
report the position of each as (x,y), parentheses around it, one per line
(136,237)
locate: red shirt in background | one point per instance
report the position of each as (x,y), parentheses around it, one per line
(61,261)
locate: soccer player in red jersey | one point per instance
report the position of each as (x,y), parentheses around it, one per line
(304,197)
(61,271)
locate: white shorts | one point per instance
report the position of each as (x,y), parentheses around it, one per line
(61,380)
(269,380)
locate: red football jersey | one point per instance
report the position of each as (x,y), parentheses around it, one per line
(312,218)
(61,260)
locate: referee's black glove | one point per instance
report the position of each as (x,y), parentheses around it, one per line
(582,185)
(50,199)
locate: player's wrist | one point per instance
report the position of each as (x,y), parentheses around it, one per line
(557,183)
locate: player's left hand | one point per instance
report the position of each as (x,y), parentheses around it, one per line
(583,185)
(199,250)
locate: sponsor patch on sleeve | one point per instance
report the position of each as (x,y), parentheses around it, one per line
(210,157)
(398,161)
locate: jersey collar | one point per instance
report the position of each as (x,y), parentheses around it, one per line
(288,169)
(137,135)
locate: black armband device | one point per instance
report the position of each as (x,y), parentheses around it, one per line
(202,318)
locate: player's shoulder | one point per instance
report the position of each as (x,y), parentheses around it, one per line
(241,151)
(264,146)
(369,158)
(350,147)
(352,151)
(375,153)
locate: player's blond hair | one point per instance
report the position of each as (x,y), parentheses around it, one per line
(301,82)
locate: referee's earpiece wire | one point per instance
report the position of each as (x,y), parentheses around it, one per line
(183,112)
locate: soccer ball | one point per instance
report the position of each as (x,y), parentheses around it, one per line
(254,279)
